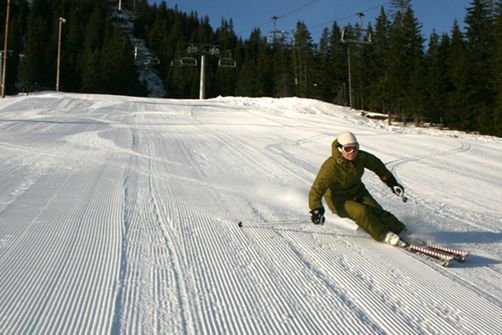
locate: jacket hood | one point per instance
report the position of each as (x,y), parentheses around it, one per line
(334,150)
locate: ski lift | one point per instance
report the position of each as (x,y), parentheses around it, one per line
(188,61)
(152,60)
(228,62)
(193,49)
(363,36)
(279,37)
(365,39)
(147,61)
(213,50)
(185,62)
(142,59)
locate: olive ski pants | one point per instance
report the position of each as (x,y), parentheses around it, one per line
(370,216)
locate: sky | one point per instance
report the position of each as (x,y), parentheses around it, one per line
(317,14)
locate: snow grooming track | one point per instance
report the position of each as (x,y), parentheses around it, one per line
(398,301)
(72,270)
(152,275)
(440,193)
(343,315)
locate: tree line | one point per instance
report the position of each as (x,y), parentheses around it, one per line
(451,79)
(96,55)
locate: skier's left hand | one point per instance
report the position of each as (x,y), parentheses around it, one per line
(396,188)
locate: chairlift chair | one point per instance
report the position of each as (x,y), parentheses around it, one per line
(152,60)
(188,61)
(279,37)
(193,49)
(227,62)
(365,39)
(184,62)
(365,33)
(214,51)
(275,37)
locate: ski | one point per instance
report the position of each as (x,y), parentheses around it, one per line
(459,255)
(434,251)
(432,255)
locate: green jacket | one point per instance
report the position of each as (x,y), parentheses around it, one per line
(340,179)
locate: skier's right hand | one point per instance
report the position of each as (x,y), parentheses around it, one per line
(317,215)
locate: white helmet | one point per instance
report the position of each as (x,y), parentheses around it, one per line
(347,138)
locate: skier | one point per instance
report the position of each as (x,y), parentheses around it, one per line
(339,182)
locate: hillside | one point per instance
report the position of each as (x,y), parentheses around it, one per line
(118,215)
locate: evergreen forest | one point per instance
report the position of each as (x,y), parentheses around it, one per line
(451,80)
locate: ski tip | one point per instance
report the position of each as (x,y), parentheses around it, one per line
(240,224)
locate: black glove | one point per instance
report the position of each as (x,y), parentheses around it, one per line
(317,215)
(396,188)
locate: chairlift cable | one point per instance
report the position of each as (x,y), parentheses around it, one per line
(388,2)
(352,15)
(274,18)
(298,9)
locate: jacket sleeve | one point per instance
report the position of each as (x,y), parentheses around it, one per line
(374,164)
(321,184)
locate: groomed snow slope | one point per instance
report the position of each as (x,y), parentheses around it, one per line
(119,215)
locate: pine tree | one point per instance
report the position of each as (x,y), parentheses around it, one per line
(365,73)
(266,73)
(282,81)
(380,64)
(247,82)
(38,69)
(71,60)
(117,64)
(438,84)
(338,67)
(456,114)
(497,71)
(18,13)
(323,75)
(479,22)
(304,58)
(399,7)
(226,74)
(405,66)
(92,80)
(444,81)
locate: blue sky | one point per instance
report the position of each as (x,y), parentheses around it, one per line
(317,14)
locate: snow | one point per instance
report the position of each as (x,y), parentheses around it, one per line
(119,215)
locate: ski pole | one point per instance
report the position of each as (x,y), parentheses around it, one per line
(280,222)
